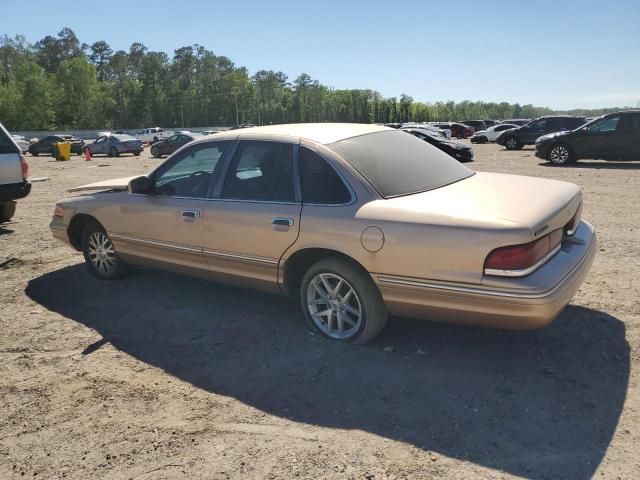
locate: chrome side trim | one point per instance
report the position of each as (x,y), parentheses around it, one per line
(526,271)
(155,243)
(236,256)
(483,291)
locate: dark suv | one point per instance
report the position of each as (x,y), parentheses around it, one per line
(615,136)
(527,134)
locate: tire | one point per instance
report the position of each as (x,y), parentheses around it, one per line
(482,140)
(137,153)
(7,211)
(357,299)
(560,154)
(113,152)
(99,253)
(512,143)
(155,153)
(33,153)
(155,140)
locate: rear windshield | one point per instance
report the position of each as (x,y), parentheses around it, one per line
(397,163)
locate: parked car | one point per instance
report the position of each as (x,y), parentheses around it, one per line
(458,130)
(438,132)
(45,145)
(517,121)
(614,136)
(209,132)
(477,125)
(491,133)
(114,145)
(410,231)
(153,135)
(22,143)
(516,138)
(13,175)
(457,150)
(173,143)
(490,123)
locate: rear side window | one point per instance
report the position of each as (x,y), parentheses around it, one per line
(6,143)
(320,182)
(261,171)
(631,122)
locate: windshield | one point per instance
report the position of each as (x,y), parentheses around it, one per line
(124,138)
(397,164)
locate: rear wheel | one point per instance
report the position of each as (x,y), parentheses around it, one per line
(341,302)
(100,254)
(512,143)
(561,154)
(7,211)
(33,152)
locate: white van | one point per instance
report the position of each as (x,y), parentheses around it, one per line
(13,175)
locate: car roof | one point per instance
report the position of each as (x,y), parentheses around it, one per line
(323,133)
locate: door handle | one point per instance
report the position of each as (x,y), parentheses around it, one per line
(282,221)
(191,213)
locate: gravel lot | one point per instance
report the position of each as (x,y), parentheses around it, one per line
(164,376)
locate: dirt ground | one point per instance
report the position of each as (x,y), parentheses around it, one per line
(163,376)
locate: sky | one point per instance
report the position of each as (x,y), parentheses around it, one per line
(560,54)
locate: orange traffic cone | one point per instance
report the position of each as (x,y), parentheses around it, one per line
(87,155)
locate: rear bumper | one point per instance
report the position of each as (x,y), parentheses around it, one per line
(14,191)
(525,303)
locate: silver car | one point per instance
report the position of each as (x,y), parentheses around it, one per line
(114,145)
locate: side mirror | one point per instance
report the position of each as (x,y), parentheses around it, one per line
(141,185)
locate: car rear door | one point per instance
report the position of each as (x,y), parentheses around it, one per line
(630,135)
(253,215)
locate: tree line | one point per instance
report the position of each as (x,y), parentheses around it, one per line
(60,83)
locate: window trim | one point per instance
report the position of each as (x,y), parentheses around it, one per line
(173,159)
(215,192)
(345,182)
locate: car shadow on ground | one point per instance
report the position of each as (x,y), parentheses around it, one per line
(627,165)
(537,404)
(4,230)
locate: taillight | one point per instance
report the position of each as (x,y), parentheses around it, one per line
(521,260)
(570,228)
(25,167)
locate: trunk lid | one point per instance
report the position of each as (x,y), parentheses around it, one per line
(491,201)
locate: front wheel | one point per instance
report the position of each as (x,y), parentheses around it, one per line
(155,153)
(113,152)
(512,143)
(99,253)
(560,154)
(341,302)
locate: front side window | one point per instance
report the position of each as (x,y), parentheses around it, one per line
(396,164)
(319,181)
(261,171)
(190,174)
(608,124)
(538,124)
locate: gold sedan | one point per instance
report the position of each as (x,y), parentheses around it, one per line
(359,221)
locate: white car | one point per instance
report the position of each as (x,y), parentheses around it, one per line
(491,133)
(13,175)
(153,135)
(21,142)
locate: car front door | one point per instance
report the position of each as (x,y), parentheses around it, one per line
(253,215)
(165,225)
(531,131)
(602,139)
(98,145)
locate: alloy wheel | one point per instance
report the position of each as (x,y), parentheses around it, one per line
(559,154)
(101,252)
(511,143)
(334,306)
